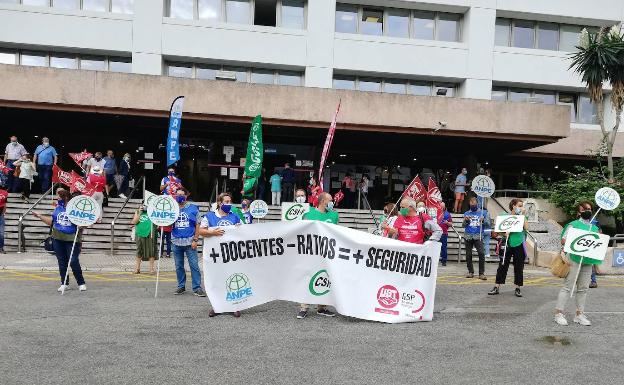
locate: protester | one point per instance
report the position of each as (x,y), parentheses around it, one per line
(185,238)
(146,239)
(460,190)
(63,234)
(247,218)
(324,212)
(581,285)
(98,181)
(487,232)
(95,161)
(45,158)
(27,172)
(4,195)
(261,187)
(214,224)
(363,186)
(473,237)
(446,221)
(313,191)
(390,214)
(300,196)
(171,183)
(124,171)
(110,169)
(276,188)
(515,250)
(348,185)
(166,240)
(288,180)
(13,152)
(413,223)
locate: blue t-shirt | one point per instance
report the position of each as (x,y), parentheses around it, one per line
(110,167)
(166,180)
(45,155)
(61,222)
(461,179)
(230,219)
(474,224)
(184,226)
(276,183)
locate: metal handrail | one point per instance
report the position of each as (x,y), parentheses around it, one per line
(527,192)
(535,248)
(616,237)
(459,249)
(123,206)
(20,224)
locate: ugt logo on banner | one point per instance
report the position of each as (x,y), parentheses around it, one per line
(83,210)
(586,244)
(163,210)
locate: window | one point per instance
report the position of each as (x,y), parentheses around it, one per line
(424,23)
(499,94)
(448,27)
(265,13)
(395,86)
(519,95)
(95,5)
(370,85)
(588,112)
(372,22)
(443,89)
(208,72)
(397,23)
(344,83)
(63,62)
(262,76)
(120,65)
(8,58)
(420,88)
(238,11)
(547,36)
(209,9)
(523,33)
(286,78)
(66,4)
(34,59)
(180,71)
(502,32)
(568,100)
(569,37)
(240,73)
(38,3)
(122,6)
(346,18)
(545,97)
(9,2)
(93,63)
(181,9)
(292,14)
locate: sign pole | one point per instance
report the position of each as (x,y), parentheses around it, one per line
(158,263)
(594,217)
(70,258)
(578,272)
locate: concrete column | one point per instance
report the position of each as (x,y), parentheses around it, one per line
(478,34)
(147,38)
(320,47)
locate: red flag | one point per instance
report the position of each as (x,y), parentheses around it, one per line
(79,184)
(338,197)
(60,176)
(434,198)
(328,143)
(4,168)
(415,190)
(79,157)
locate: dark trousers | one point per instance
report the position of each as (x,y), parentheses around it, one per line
(62,249)
(287,192)
(45,176)
(478,244)
(443,250)
(517,253)
(14,184)
(26,186)
(125,185)
(166,242)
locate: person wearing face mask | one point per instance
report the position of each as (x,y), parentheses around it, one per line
(323,212)
(460,189)
(300,196)
(313,192)
(45,158)
(386,220)
(214,223)
(243,213)
(185,238)
(515,250)
(63,233)
(446,221)
(98,181)
(474,221)
(585,213)
(96,160)
(171,183)
(27,172)
(413,223)
(124,171)
(13,152)
(110,169)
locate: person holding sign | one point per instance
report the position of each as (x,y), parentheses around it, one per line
(474,219)
(63,235)
(515,250)
(146,239)
(580,265)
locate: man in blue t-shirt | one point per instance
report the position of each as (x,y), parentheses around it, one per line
(474,221)
(460,189)
(45,158)
(110,169)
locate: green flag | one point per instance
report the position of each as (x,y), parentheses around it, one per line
(255,150)
(249,186)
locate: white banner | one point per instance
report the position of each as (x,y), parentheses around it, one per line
(361,275)
(586,244)
(509,224)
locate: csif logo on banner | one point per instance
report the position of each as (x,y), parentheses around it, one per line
(238,288)
(509,223)
(293,211)
(585,242)
(320,283)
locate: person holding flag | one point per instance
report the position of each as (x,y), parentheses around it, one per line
(413,223)
(171,183)
(146,239)
(445,221)
(98,181)
(474,221)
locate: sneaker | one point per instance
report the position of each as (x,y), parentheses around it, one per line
(82,288)
(211,313)
(302,314)
(482,277)
(494,291)
(592,285)
(237,314)
(487,256)
(200,292)
(470,275)
(518,293)
(179,290)
(2,251)
(326,313)
(582,320)
(168,256)
(560,319)
(122,196)
(443,263)
(63,287)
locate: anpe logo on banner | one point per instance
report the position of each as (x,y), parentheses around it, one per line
(483,186)
(586,244)
(238,288)
(163,210)
(83,210)
(388,298)
(293,211)
(320,283)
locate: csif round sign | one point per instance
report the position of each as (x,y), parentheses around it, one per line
(163,210)
(258,209)
(607,198)
(83,210)
(483,186)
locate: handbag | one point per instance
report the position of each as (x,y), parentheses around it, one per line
(559,267)
(17,172)
(47,243)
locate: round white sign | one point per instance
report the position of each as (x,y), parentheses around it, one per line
(483,186)
(258,209)
(83,210)
(607,198)
(163,210)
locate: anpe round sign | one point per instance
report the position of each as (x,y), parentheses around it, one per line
(607,198)
(163,210)
(483,186)
(258,209)
(83,210)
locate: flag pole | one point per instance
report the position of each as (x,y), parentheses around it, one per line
(158,264)
(71,254)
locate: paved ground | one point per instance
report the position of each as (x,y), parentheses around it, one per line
(116,332)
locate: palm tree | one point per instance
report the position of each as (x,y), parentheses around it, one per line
(600,59)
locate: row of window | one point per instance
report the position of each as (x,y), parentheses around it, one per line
(582,110)
(539,35)
(273,13)
(397,22)
(70,61)
(394,86)
(239,74)
(116,6)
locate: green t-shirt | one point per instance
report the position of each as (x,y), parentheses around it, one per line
(516,239)
(315,215)
(144,227)
(59,236)
(579,224)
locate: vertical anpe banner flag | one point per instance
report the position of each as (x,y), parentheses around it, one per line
(173,138)
(255,150)
(328,143)
(360,274)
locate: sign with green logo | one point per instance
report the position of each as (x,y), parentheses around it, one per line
(255,149)
(163,210)
(320,283)
(83,210)
(586,244)
(509,224)
(293,211)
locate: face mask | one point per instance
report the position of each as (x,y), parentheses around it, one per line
(311,182)
(180,199)
(244,205)
(330,205)
(171,173)
(473,208)
(420,210)
(46,144)
(98,157)
(226,208)
(14,143)
(300,199)
(404,211)
(518,211)
(587,214)
(127,158)
(464,172)
(60,202)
